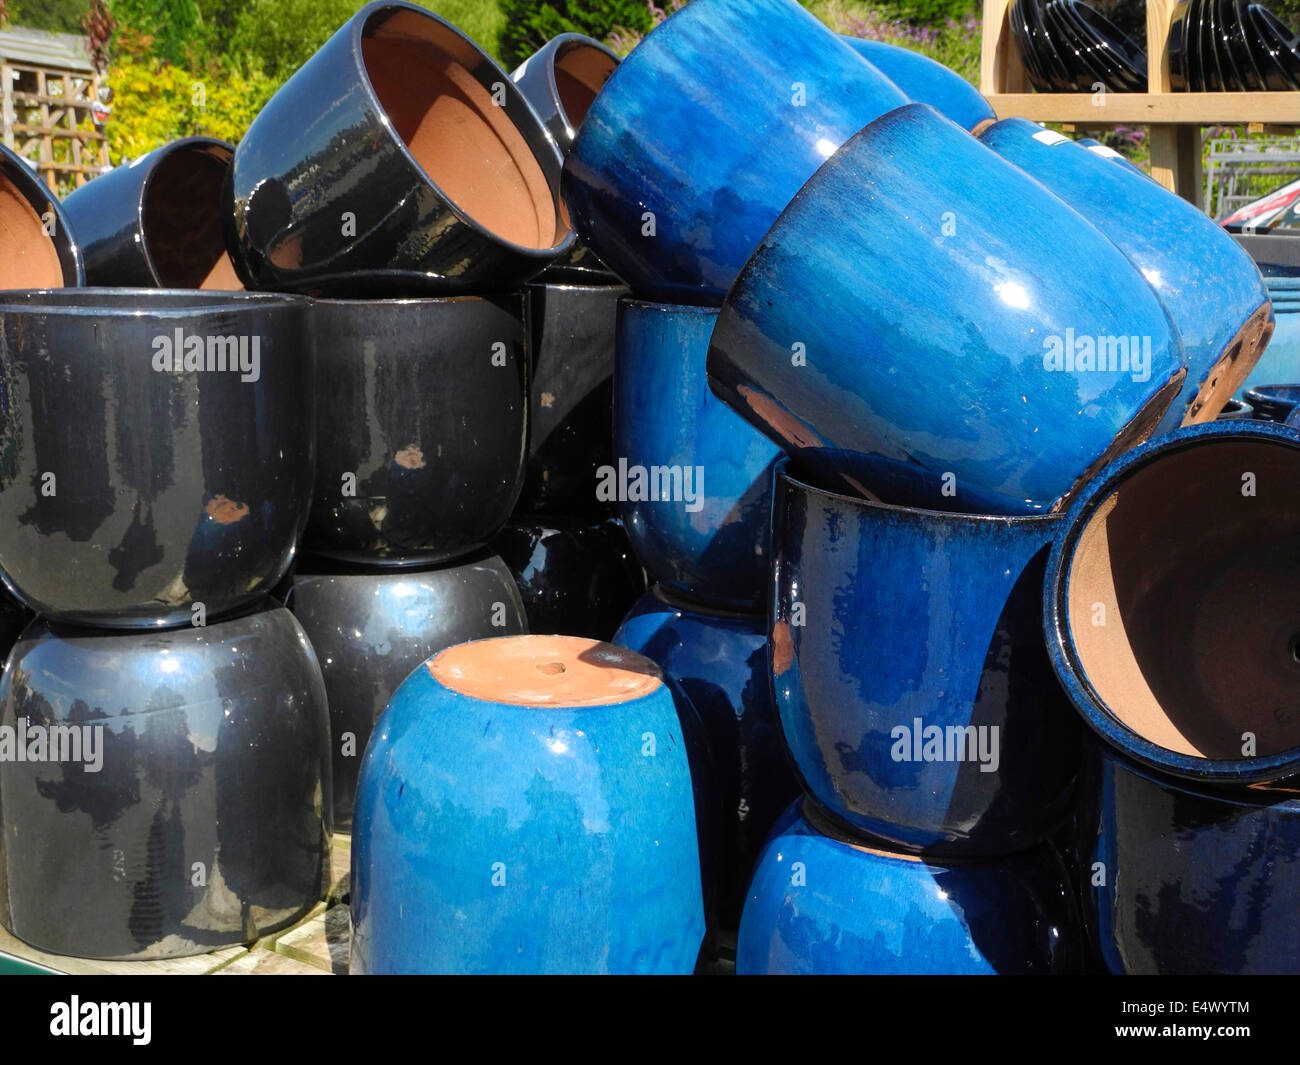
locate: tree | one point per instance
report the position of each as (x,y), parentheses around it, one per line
(57,16)
(530,24)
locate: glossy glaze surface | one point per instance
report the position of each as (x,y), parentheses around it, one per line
(32,259)
(207,823)
(712,540)
(500,838)
(370,630)
(422,425)
(128,494)
(820,906)
(719,661)
(710,126)
(1206,281)
(887,623)
(1281,359)
(901,244)
(561,79)
(335,191)
(1273,403)
(924,81)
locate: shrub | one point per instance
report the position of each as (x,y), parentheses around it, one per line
(529,24)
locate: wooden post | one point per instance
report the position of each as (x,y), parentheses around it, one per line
(1001,68)
(7,75)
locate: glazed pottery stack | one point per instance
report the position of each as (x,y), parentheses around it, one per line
(1280,363)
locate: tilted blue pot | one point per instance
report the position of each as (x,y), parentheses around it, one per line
(901,337)
(893,626)
(1207,282)
(719,661)
(926,82)
(703,134)
(1281,359)
(1109,154)
(820,904)
(1274,403)
(1171,604)
(713,541)
(37,246)
(526,806)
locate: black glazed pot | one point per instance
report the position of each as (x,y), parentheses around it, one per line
(157,223)
(371,629)
(399,158)
(132,491)
(192,810)
(31,257)
(576,579)
(571,396)
(13,619)
(561,79)
(421,427)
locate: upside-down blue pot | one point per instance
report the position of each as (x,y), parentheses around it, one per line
(37,245)
(1171,604)
(1281,359)
(719,661)
(822,904)
(370,629)
(1236,411)
(1273,403)
(902,337)
(526,806)
(693,477)
(909,671)
(189,806)
(1191,880)
(704,133)
(1207,282)
(927,82)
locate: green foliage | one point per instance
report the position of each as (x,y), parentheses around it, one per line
(529,24)
(58,16)
(173,24)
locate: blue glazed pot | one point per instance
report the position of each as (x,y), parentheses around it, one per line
(704,133)
(1274,403)
(820,904)
(713,541)
(34,254)
(1109,154)
(1281,359)
(891,626)
(526,806)
(1236,411)
(926,82)
(1191,881)
(898,256)
(1207,282)
(719,661)
(1170,604)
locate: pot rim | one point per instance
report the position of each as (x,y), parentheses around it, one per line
(665,307)
(14,170)
(68,302)
(551,51)
(1070,672)
(408,301)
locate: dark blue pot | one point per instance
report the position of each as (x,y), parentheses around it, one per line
(713,542)
(1236,411)
(1281,359)
(820,904)
(524,818)
(1170,604)
(35,255)
(1191,881)
(719,661)
(898,255)
(1207,282)
(927,82)
(370,630)
(888,623)
(711,125)
(157,223)
(207,821)
(399,158)
(1274,403)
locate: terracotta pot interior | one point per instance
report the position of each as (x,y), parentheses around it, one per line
(28,258)
(1184,599)
(423,75)
(1229,373)
(580,73)
(182,220)
(545,671)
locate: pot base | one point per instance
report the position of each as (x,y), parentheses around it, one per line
(1234,366)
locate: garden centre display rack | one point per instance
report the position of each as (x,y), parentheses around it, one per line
(1174,119)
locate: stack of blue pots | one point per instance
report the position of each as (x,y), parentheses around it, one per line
(1274,384)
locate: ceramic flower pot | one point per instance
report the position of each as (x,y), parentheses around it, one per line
(1273,403)
(916,698)
(183,799)
(1170,605)
(924,81)
(1207,282)
(399,158)
(1185,879)
(370,630)
(1281,359)
(577,578)
(674,187)
(822,904)
(525,806)
(560,82)
(1110,155)
(157,223)
(422,426)
(900,244)
(570,400)
(13,619)
(694,478)
(37,246)
(156,451)
(1235,411)
(719,661)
